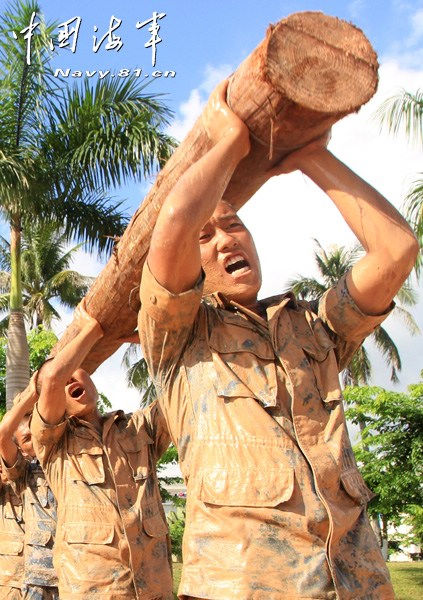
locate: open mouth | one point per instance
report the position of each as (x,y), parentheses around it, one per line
(76,390)
(236,264)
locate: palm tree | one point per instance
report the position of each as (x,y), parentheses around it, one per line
(137,374)
(404,111)
(46,276)
(59,153)
(332,266)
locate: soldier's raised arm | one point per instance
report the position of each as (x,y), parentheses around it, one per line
(390,245)
(174,255)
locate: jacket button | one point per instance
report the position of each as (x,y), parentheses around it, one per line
(153,299)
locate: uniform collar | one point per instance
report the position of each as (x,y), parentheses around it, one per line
(271,305)
(84,429)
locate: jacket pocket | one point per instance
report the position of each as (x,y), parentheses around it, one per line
(10,544)
(244,362)
(154,525)
(136,449)
(318,348)
(89,533)
(13,511)
(38,538)
(86,460)
(354,485)
(249,487)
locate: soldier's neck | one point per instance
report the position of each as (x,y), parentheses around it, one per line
(95,419)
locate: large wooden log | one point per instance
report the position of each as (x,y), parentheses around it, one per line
(308,72)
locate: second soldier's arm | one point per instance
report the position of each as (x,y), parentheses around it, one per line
(11,420)
(57,372)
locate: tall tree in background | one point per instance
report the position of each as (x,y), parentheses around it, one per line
(404,112)
(60,150)
(45,274)
(332,266)
(137,374)
(390,452)
(40,342)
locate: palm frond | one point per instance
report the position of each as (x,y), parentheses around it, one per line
(306,288)
(408,320)
(137,375)
(109,133)
(403,111)
(388,349)
(406,295)
(4,326)
(413,207)
(4,282)
(4,302)
(359,369)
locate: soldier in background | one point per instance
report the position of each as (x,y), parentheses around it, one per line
(11,541)
(39,581)
(111,538)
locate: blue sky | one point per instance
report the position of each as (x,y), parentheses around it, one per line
(203,41)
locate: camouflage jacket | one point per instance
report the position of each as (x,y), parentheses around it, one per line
(111,539)
(275,503)
(11,535)
(39,510)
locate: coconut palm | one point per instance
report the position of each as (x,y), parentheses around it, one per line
(137,374)
(46,276)
(332,266)
(60,151)
(404,112)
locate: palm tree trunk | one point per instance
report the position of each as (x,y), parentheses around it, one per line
(17,354)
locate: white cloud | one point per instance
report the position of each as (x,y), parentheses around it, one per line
(192,108)
(87,264)
(416,28)
(408,51)
(355,8)
(189,111)
(214,75)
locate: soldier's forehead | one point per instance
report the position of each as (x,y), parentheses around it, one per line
(223,212)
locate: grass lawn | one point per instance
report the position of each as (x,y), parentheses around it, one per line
(406,577)
(176,576)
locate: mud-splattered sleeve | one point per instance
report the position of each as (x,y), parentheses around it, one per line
(16,473)
(45,436)
(347,324)
(165,322)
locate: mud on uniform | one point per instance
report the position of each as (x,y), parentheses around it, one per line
(39,511)
(111,539)
(275,502)
(11,541)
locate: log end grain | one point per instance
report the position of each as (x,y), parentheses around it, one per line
(321,63)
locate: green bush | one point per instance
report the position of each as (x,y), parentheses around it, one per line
(176,522)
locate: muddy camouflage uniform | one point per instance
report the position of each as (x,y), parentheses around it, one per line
(39,511)
(11,543)
(111,539)
(275,503)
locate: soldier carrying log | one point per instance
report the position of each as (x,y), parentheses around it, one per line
(250,388)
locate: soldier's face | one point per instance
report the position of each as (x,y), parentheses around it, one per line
(81,394)
(229,257)
(24,439)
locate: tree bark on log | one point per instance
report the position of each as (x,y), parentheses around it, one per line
(309,71)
